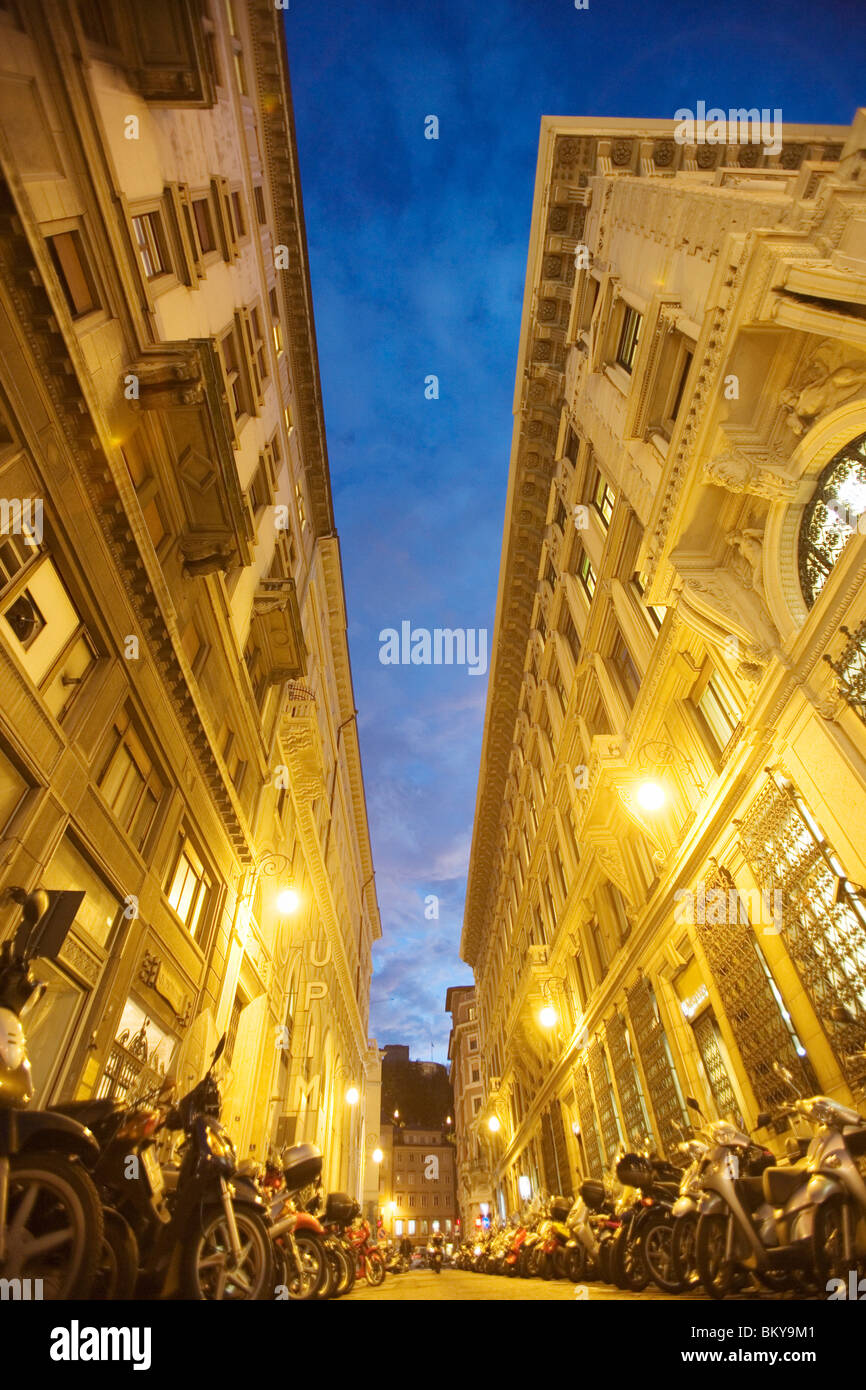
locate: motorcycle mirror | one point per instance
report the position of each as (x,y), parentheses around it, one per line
(693,1105)
(763,1119)
(220,1049)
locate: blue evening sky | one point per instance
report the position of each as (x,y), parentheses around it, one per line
(418,256)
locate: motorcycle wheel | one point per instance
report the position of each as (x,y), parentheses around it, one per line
(604,1254)
(348,1259)
(207,1273)
(511,1270)
(304,1283)
(51,1196)
(117,1272)
(522,1265)
(718,1275)
(374,1267)
(545,1264)
(683,1250)
(575,1264)
(828,1241)
(657,1240)
(628,1264)
(533,1263)
(340,1280)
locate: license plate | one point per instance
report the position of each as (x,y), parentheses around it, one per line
(152,1170)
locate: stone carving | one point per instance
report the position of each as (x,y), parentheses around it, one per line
(206,555)
(749,544)
(167,382)
(754,471)
(791,157)
(749,156)
(663,154)
(822,392)
(621,152)
(705,157)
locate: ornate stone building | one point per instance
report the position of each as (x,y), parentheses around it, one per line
(665,883)
(417,1193)
(177,725)
(474,1193)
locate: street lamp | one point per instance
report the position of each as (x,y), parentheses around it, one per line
(547,1016)
(377,1155)
(493,1124)
(650,795)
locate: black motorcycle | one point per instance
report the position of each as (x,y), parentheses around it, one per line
(642,1246)
(201,1230)
(51,1222)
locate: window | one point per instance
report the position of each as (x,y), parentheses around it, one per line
(73,272)
(275,325)
(97,23)
(191,886)
(13,788)
(476,1105)
(473,1044)
(236,50)
(586,574)
(203,218)
(259,199)
(129,782)
(569,632)
(260,357)
(831,517)
(655,614)
(603,498)
(100,908)
(685,367)
(40,620)
(719,711)
(236,385)
(398,1228)
(628,338)
(600,947)
(239,221)
(150,240)
(411,1228)
(629,676)
(232,1033)
(476,1074)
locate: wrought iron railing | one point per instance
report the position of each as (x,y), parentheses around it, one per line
(850,669)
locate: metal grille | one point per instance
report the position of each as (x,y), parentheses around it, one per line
(665,1095)
(627,1082)
(750,1005)
(604,1101)
(827,523)
(823,923)
(588,1131)
(554,1152)
(714,1065)
(125,1073)
(850,669)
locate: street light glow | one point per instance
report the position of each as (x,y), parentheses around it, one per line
(547,1016)
(353,1095)
(288,901)
(493,1124)
(651,796)
(378,1155)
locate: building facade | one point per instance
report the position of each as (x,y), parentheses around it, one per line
(417,1192)
(664,890)
(474,1194)
(177,728)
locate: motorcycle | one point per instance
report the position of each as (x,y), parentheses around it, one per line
(642,1249)
(684,1212)
(435,1253)
(51,1222)
(555,1236)
(299,1237)
(369,1259)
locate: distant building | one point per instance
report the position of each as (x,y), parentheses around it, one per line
(417,1187)
(474,1192)
(419,1092)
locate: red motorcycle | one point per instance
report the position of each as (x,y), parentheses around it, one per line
(513,1256)
(369,1260)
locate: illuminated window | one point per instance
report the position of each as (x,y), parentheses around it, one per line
(129,781)
(586,574)
(150,241)
(603,499)
(190,889)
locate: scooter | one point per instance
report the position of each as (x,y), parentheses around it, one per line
(51,1224)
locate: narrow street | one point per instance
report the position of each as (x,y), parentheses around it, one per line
(456,1285)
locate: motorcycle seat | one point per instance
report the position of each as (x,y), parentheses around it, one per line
(750,1192)
(781,1183)
(90,1113)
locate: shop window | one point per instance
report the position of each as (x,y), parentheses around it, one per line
(190,889)
(74,272)
(100,908)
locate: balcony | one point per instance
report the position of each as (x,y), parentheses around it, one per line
(184,382)
(277,628)
(164,48)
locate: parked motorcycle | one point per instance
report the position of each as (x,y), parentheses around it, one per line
(51,1222)
(435,1253)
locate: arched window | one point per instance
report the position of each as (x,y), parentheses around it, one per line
(831,517)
